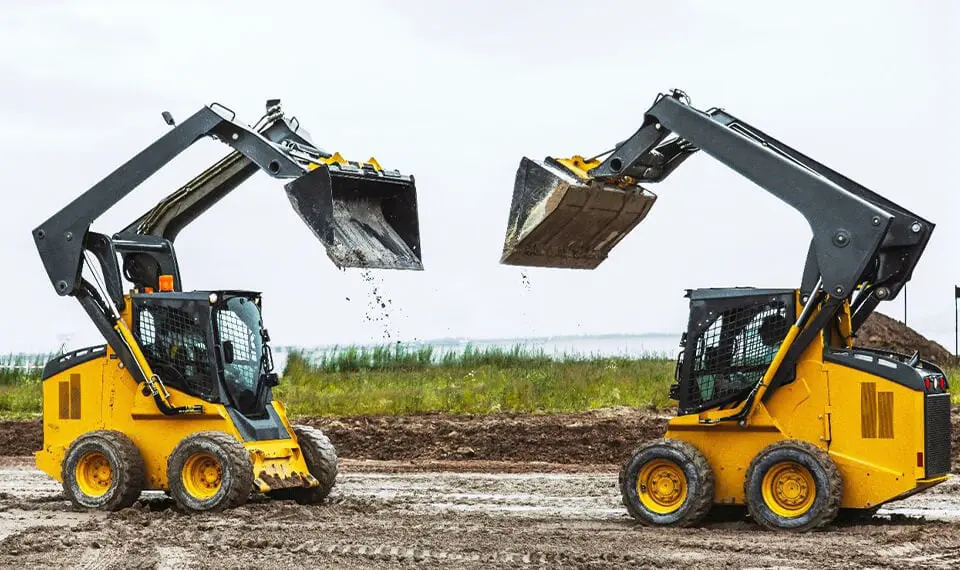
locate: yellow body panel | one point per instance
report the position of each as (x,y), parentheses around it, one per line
(101,394)
(872,428)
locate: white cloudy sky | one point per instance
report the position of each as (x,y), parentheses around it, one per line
(456,93)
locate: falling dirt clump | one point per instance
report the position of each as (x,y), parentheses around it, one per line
(882,332)
(379,307)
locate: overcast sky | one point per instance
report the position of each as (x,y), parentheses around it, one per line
(455,94)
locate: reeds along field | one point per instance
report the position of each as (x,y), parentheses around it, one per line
(20,384)
(394,380)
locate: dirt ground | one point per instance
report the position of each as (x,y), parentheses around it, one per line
(377,517)
(454,492)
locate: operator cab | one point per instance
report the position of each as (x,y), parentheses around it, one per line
(733,335)
(209,344)
(731,339)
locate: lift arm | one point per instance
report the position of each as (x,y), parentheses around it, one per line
(570,212)
(859,237)
(61,239)
(842,214)
(146,244)
(275,145)
(862,242)
(180,208)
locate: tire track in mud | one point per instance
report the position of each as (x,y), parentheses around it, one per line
(99,557)
(407,553)
(171,557)
(542,544)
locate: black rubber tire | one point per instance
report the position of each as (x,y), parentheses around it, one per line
(699,480)
(322,462)
(126,464)
(828,486)
(236,471)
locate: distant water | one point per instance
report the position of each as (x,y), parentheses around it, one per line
(635,346)
(581,346)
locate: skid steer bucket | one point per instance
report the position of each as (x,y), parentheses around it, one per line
(365,217)
(558,219)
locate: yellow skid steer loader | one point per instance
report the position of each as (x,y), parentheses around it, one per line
(180,396)
(777,410)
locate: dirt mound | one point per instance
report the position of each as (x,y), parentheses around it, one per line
(605,436)
(593,437)
(883,332)
(20,437)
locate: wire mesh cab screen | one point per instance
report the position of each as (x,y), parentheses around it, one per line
(238,322)
(174,337)
(732,337)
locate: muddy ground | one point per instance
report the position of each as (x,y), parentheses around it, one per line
(377,518)
(454,492)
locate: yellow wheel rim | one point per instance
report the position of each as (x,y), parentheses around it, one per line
(201,475)
(789,489)
(662,486)
(94,474)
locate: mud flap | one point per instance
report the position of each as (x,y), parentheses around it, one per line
(364,218)
(559,220)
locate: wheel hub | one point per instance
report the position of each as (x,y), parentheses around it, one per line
(661,486)
(94,474)
(666,486)
(789,489)
(201,475)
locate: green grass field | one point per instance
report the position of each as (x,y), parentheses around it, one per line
(20,384)
(393,380)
